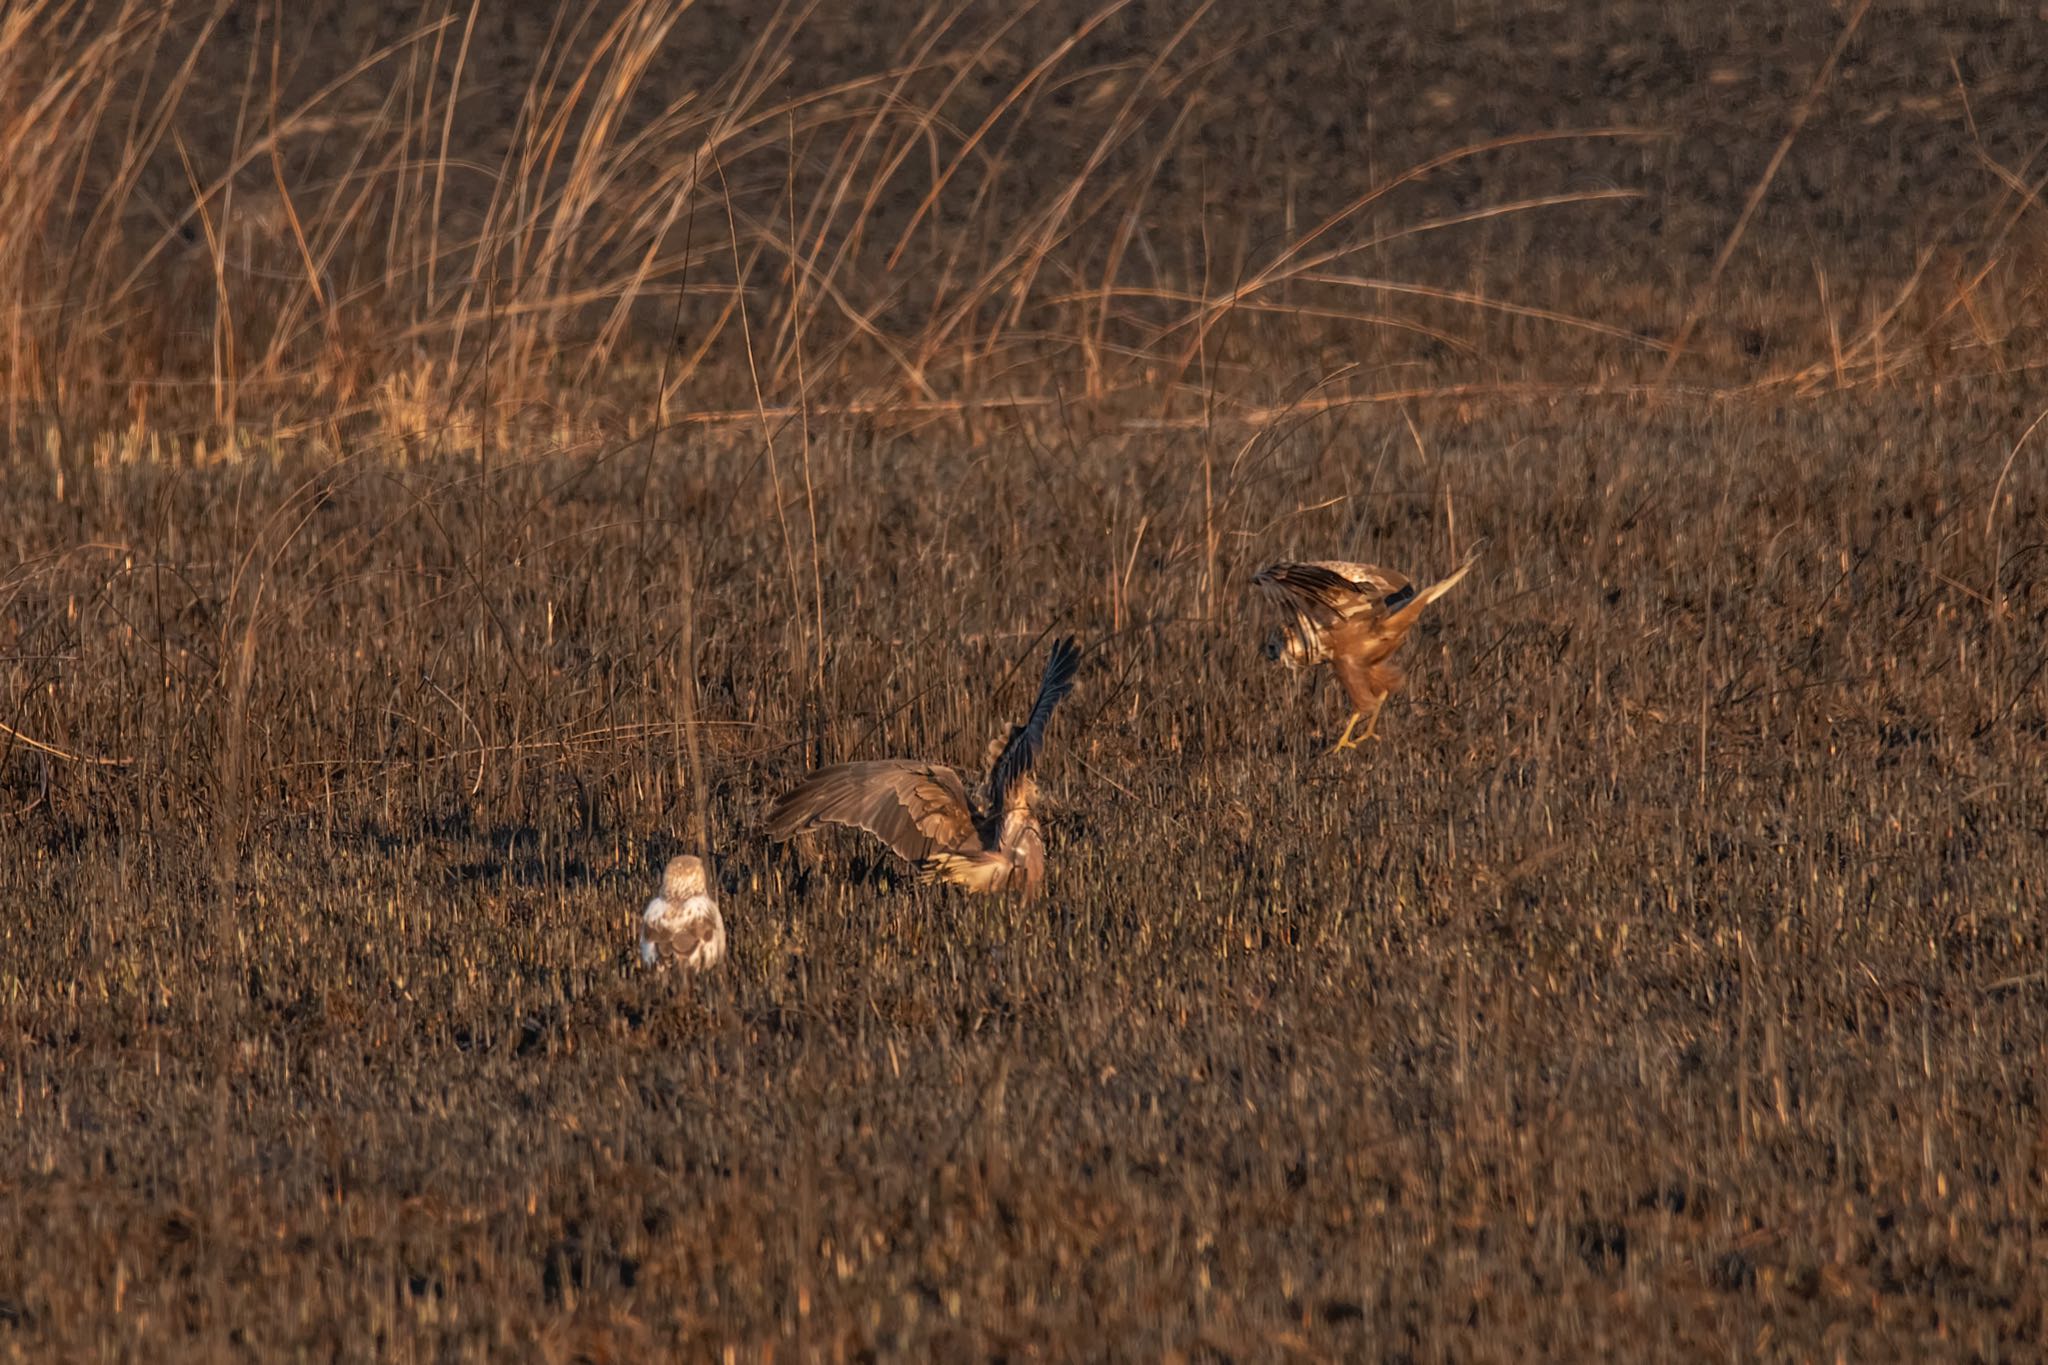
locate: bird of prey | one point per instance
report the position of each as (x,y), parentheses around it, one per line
(681,926)
(921,810)
(1352,616)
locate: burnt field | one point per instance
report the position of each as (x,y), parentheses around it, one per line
(389,589)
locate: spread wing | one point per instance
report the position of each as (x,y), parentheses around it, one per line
(1315,598)
(1407,605)
(915,808)
(1324,594)
(1371,580)
(1022,749)
(1315,594)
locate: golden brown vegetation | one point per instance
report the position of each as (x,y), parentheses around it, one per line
(457,462)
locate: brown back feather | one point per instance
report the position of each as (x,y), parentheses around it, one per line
(674,942)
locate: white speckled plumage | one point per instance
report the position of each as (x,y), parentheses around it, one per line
(681,927)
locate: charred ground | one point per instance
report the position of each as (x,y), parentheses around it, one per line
(1667,980)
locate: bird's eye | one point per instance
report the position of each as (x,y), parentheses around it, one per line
(1272,646)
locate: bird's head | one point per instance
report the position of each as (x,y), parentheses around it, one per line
(1284,646)
(683,878)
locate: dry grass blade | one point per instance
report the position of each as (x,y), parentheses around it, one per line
(1800,113)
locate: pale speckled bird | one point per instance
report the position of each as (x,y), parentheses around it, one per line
(681,926)
(921,810)
(1353,617)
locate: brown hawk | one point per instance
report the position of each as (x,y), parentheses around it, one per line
(921,810)
(681,926)
(1353,617)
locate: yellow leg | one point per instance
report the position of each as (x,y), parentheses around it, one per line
(1372,725)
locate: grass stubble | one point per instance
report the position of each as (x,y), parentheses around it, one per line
(543,492)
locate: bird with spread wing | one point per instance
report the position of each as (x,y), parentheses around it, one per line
(921,810)
(1353,617)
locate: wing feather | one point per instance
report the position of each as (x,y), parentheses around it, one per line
(1022,750)
(1371,580)
(915,808)
(1315,594)
(1410,607)
(1316,598)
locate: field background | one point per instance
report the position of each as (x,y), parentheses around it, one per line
(456,461)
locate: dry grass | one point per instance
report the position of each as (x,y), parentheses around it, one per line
(518,479)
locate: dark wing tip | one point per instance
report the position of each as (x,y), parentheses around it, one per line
(1289,576)
(1310,590)
(1022,749)
(1060,670)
